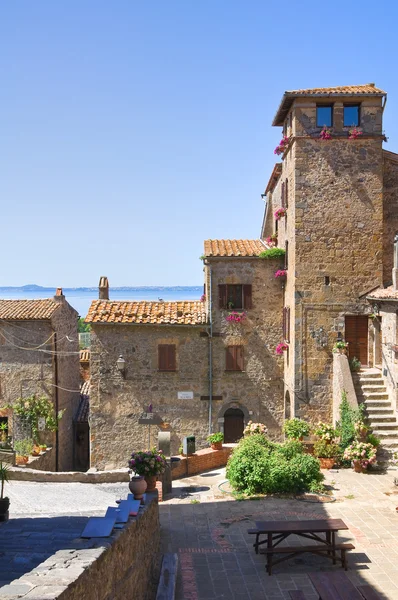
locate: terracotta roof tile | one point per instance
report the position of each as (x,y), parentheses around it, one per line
(368,89)
(14,310)
(246,248)
(384,294)
(155,313)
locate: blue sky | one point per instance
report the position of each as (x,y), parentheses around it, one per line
(132,131)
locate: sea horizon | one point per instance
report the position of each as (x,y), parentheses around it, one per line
(81,297)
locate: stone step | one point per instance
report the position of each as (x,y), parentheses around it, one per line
(374,411)
(389,443)
(384,425)
(369,375)
(371,402)
(382,419)
(376,396)
(385,433)
(373,388)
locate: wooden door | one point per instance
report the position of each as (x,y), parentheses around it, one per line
(233,425)
(356,334)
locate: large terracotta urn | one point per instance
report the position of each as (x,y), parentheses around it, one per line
(151,482)
(138,486)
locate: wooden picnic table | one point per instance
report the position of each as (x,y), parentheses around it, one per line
(321,531)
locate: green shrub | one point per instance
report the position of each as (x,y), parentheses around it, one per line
(258,466)
(272,253)
(296,428)
(23,447)
(371,438)
(355,364)
(214,438)
(323,449)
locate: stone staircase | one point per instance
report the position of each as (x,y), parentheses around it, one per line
(371,390)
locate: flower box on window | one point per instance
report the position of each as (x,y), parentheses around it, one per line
(281,348)
(283,144)
(326,134)
(280,213)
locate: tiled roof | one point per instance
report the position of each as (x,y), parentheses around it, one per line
(14,310)
(384,294)
(233,248)
(155,313)
(273,180)
(368,89)
(85,355)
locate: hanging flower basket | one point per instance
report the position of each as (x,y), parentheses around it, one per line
(279,213)
(281,348)
(354,133)
(281,147)
(235,317)
(326,134)
(280,273)
(203,298)
(272,240)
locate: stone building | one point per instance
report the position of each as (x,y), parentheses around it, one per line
(332,207)
(39,354)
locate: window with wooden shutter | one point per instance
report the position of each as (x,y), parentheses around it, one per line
(234,358)
(167,357)
(222,295)
(287,193)
(286,255)
(283,195)
(247,296)
(286,324)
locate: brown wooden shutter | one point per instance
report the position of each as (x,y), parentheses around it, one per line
(171,358)
(167,357)
(287,193)
(283,195)
(229,358)
(222,295)
(162,357)
(286,255)
(247,296)
(284,323)
(239,358)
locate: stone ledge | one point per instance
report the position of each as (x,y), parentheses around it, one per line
(26,474)
(201,461)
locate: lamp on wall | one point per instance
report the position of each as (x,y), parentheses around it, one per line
(121,365)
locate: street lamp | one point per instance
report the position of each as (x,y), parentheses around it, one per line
(121,365)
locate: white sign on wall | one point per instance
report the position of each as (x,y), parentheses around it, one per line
(185,395)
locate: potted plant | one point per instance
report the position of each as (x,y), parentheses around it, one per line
(296,429)
(326,134)
(326,432)
(216,440)
(3,431)
(255,429)
(281,348)
(361,430)
(355,365)
(283,144)
(280,273)
(279,213)
(148,465)
(361,455)
(43,448)
(272,239)
(23,449)
(326,453)
(4,501)
(340,347)
(235,317)
(354,133)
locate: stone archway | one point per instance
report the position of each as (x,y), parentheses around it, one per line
(232,418)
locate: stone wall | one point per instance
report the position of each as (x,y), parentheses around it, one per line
(258,389)
(390,206)
(201,461)
(342,382)
(117,402)
(44,462)
(388,314)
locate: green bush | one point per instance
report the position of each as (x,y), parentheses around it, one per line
(23,447)
(272,253)
(346,426)
(323,449)
(296,428)
(371,438)
(214,438)
(258,466)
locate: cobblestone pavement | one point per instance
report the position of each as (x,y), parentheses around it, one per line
(208,530)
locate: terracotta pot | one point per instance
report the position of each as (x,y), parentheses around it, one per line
(151,482)
(216,446)
(358,468)
(326,463)
(138,486)
(21,460)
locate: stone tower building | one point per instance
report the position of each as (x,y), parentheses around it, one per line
(330,184)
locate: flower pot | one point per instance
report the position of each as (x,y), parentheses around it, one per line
(326,463)
(216,446)
(358,467)
(21,460)
(138,486)
(151,482)
(4,506)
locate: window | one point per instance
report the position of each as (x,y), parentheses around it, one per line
(234,358)
(167,357)
(351,115)
(286,255)
(286,193)
(235,296)
(283,195)
(324,116)
(286,324)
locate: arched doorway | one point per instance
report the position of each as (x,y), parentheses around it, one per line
(233,425)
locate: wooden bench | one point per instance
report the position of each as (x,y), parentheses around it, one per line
(313,548)
(368,592)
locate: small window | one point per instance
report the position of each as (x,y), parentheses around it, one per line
(286,324)
(234,358)
(351,115)
(167,357)
(235,296)
(286,255)
(324,116)
(286,193)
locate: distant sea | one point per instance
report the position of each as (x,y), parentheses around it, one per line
(81,298)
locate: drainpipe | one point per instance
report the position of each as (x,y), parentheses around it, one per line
(56,399)
(210,353)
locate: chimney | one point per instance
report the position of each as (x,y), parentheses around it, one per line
(59,295)
(395,267)
(103,288)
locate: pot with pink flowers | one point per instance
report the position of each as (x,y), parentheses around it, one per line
(147,465)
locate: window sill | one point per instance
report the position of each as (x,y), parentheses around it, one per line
(234,371)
